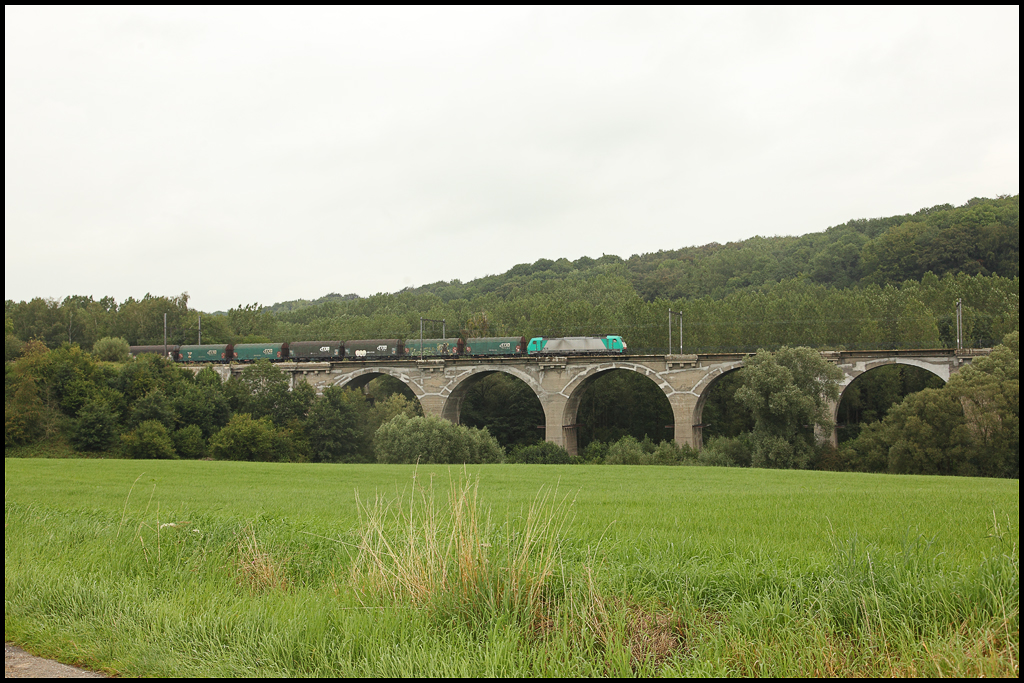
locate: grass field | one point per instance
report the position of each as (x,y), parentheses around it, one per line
(239,569)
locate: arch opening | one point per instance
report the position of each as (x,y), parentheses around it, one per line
(615,403)
(503,403)
(869,396)
(718,414)
(378,388)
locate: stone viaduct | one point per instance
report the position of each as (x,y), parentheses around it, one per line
(560,382)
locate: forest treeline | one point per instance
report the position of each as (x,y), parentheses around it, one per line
(869,283)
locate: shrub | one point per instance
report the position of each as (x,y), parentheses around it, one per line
(244,438)
(627,451)
(595,452)
(189,442)
(405,439)
(541,453)
(25,416)
(332,429)
(202,405)
(12,347)
(153,406)
(725,451)
(95,428)
(787,390)
(262,390)
(149,440)
(671,453)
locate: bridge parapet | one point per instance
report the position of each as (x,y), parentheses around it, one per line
(681,360)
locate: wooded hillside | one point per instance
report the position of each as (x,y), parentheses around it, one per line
(868,283)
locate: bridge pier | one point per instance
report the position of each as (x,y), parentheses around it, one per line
(435,405)
(684,410)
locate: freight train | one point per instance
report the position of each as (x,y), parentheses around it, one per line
(389,349)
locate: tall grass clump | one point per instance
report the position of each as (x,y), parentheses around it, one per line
(442,556)
(426,550)
(258,570)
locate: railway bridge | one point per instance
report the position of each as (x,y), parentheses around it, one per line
(559,382)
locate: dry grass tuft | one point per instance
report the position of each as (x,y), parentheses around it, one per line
(994,652)
(424,552)
(257,569)
(653,637)
(650,636)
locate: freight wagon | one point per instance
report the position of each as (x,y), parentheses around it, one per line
(374,348)
(316,350)
(434,348)
(495,346)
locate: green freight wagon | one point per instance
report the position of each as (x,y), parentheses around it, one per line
(495,346)
(433,348)
(205,353)
(572,346)
(248,353)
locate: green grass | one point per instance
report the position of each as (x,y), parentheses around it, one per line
(209,568)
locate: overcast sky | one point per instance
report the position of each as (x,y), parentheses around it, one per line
(268,154)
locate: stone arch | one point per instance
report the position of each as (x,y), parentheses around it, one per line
(455,394)
(566,413)
(357,379)
(942,371)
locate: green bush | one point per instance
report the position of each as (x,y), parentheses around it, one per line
(153,406)
(595,452)
(629,451)
(25,415)
(12,347)
(95,428)
(202,405)
(148,441)
(541,453)
(787,390)
(430,439)
(244,438)
(727,452)
(332,429)
(189,442)
(671,453)
(111,349)
(262,390)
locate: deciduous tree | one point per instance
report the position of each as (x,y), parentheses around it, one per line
(332,430)
(788,393)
